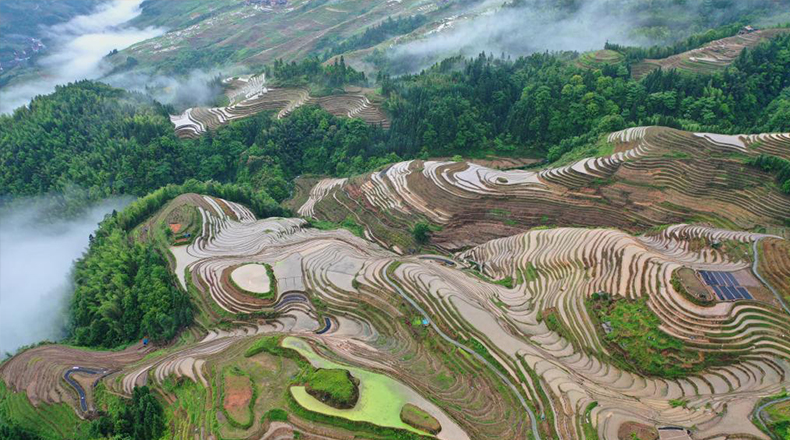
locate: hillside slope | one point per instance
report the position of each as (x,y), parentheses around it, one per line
(487,348)
(655,176)
(709,58)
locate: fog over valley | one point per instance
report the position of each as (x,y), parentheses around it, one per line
(36,258)
(80,45)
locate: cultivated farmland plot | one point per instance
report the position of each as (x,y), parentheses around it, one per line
(711,57)
(252,96)
(656,176)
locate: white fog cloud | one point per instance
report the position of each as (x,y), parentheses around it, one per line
(36,258)
(79,48)
(539,26)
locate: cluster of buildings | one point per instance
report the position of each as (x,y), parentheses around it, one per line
(19,57)
(266,3)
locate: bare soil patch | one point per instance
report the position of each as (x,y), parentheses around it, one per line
(632,430)
(238,392)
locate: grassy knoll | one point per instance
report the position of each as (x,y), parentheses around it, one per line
(599,58)
(275,415)
(414,416)
(47,421)
(779,416)
(639,343)
(349,223)
(335,387)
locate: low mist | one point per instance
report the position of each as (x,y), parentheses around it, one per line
(78,51)
(541,25)
(198,87)
(36,258)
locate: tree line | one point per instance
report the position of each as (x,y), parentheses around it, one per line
(373,35)
(542,105)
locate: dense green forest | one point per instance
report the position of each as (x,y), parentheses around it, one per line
(540,105)
(112,142)
(141,418)
(123,292)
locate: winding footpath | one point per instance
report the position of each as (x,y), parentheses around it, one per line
(532,418)
(759,412)
(759,277)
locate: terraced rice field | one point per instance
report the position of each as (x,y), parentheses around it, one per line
(481,338)
(598,59)
(708,58)
(656,176)
(253,97)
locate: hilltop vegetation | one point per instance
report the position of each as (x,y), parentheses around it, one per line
(636,336)
(777,166)
(112,142)
(541,106)
(334,387)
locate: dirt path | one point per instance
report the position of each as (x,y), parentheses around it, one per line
(757,274)
(533,421)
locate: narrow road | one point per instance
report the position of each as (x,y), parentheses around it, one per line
(532,419)
(759,411)
(757,274)
(77,386)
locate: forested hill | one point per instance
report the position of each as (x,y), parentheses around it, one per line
(107,141)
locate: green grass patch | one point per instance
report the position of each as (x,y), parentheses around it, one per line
(678,403)
(590,433)
(416,417)
(275,415)
(349,224)
(506,282)
(49,421)
(635,336)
